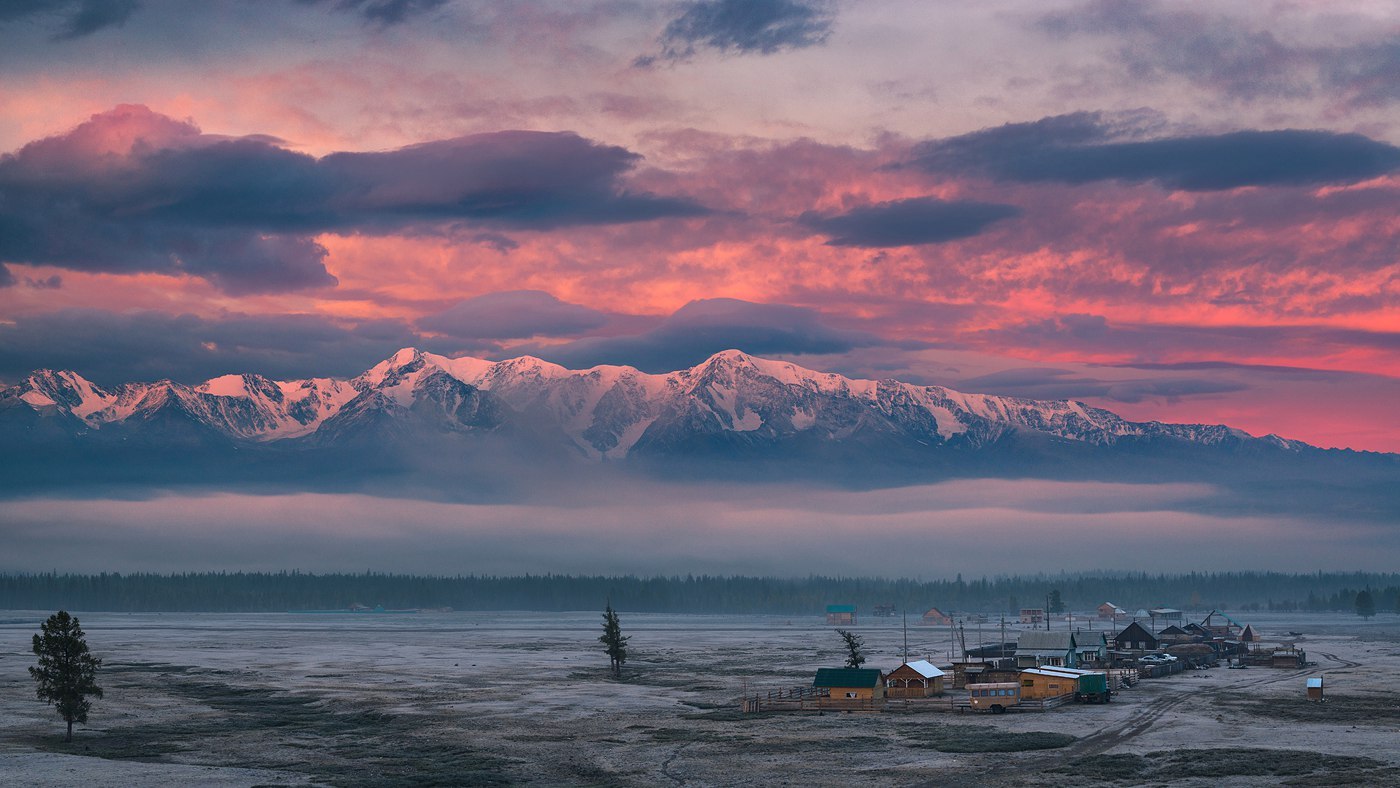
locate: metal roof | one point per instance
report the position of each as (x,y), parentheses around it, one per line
(1035,639)
(846,677)
(1315,682)
(1051,672)
(924,668)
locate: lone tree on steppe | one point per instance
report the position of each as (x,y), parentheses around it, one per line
(614,642)
(1365,604)
(67,671)
(854,644)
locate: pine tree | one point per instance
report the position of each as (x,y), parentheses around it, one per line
(854,644)
(1365,604)
(614,641)
(67,671)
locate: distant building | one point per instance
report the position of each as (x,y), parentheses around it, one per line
(851,683)
(937,618)
(918,679)
(1032,615)
(1035,648)
(1249,635)
(1108,610)
(1166,614)
(883,611)
(840,614)
(1136,637)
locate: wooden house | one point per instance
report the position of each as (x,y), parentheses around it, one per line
(1249,635)
(1110,611)
(1032,615)
(918,679)
(936,618)
(840,614)
(1041,683)
(1136,637)
(1035,648)
(1166,614)
(1091,646)
(851,683)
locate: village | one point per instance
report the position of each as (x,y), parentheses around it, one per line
(1037,662)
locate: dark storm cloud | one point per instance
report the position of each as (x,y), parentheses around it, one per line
(113,347)
(517,314)
(1043,383)
(744,27)
(702,328)
(74,18)
(381,12)
(132,190)
(1232,56)
(1086,147)
(920,220)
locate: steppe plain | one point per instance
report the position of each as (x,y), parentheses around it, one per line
(507,698)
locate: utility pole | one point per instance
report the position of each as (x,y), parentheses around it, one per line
(906,637)
(1047,612)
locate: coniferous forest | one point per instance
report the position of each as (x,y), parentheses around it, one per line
(292,590)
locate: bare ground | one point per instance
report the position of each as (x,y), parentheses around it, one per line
(482,699)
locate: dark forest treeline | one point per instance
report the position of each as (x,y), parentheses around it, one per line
(281,591)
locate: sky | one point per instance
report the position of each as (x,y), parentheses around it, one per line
(1178,211)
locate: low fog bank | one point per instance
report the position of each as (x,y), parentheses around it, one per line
(974,527)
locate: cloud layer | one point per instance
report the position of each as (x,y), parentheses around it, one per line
(132,190)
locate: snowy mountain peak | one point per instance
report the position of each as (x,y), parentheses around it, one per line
(730,402)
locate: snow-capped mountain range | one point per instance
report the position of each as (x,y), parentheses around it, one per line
(730,401)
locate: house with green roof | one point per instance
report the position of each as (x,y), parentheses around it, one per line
(851,683)
(840,614)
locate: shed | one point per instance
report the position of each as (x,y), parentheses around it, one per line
(858,683)
(1249,635)
(1167,614)
(840,614)
(1136,637)
(1041,683)
(1032,615)
(1315,688)
(918,679)
(1035,648)
(935,617)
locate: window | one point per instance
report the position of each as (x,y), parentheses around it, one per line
(1027,682)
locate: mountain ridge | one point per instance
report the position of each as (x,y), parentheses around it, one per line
(606,412)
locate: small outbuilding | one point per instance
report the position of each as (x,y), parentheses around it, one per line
(918,679)
(1032,615)
(1315,688)
(1249,635)
(851,683)
(840,614)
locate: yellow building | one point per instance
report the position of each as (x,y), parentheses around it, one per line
(1041,683)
